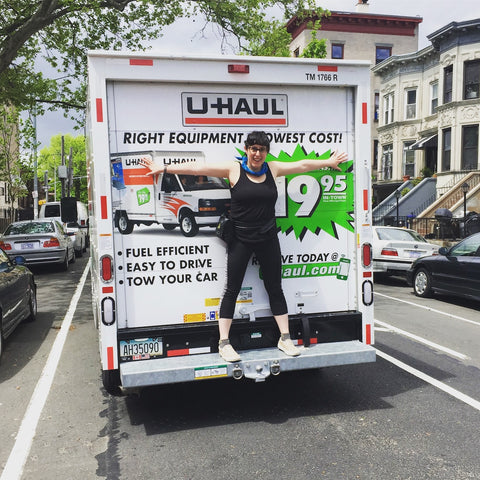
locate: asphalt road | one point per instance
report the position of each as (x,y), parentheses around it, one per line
(413,414)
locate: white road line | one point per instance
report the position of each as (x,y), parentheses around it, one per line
(432,381)
(23,442)
(412,336)
(430,309)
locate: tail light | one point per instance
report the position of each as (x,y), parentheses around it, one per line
(366,254)
(106,268)
(391,252)
(5,246)
(53,242)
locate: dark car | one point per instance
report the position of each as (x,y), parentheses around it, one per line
(455,271)
(18,295)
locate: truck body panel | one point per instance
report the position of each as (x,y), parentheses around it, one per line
(158,305)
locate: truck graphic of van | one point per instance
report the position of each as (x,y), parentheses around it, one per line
(171,200)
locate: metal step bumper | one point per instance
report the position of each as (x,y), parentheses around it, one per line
(255,364)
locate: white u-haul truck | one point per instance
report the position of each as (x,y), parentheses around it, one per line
(157,291)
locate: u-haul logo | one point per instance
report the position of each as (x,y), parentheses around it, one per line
(226,109)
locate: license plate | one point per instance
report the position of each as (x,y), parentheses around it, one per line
(413,254)
(26,246)
(141,349)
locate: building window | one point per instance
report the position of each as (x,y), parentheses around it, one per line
(375,155)
(411,104)
(408,159)
(433,97)
(382,53)
(471,80)
(470,147)
(377,107)
(387,161)
(337,50)
(447,149)
(2,191)
(448,84)
(388,109)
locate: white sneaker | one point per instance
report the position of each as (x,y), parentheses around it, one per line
(228,353)
(287,346)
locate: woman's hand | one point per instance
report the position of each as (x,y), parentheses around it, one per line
(336,159)
(150,164)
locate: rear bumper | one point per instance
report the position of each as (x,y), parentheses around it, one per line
(255,364)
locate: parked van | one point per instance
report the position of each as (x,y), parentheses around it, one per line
(78,230)
(185,200)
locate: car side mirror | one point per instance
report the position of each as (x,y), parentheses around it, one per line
(443,251)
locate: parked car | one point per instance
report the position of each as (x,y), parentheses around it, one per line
(77,230)
(18,295)
(39,242)
(455,271)
(395,249)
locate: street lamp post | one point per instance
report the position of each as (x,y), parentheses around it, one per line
(398,194)
(465,188)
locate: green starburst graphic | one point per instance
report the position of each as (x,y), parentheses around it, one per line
(318,200)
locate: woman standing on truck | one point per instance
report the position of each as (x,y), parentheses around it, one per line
(254,194)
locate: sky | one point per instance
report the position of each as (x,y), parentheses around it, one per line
(183,37)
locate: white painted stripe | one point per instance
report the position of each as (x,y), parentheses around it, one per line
(412,336)
(432,381)
(194,351)
(457,317)
(23,442)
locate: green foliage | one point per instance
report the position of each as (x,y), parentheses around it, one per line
(275,42)
(51,157)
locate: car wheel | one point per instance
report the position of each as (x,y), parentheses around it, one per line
(65,262)
(79,252)
(188,225)
(32,304)
(422,283)
(125,226)
(111,381)
(74,258)
(169,226)
(1,338)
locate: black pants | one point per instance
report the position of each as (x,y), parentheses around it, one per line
(270,260)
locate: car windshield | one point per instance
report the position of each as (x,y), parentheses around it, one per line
(399,234)
(52,210)
(202,182)
(469,247)
(31,227)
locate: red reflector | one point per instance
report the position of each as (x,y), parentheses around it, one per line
(107,290)
(53,242)
(364,113)
(327,68)
(390,252)
(110,359)
(146,62)
(178,353)
(368,334)
(106,268)
(99,107)
(238,68)
(366,254)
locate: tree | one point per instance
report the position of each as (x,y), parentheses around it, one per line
(11,164)
(61,31)
(275,39)
(51,157)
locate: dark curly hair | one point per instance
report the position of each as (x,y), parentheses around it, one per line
(258,138)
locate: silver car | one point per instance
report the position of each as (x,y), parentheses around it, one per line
(395,249)
(39,242)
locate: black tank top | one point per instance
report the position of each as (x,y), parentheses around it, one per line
(253,207)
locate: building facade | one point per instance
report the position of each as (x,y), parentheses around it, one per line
(360,35)
(430,108)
